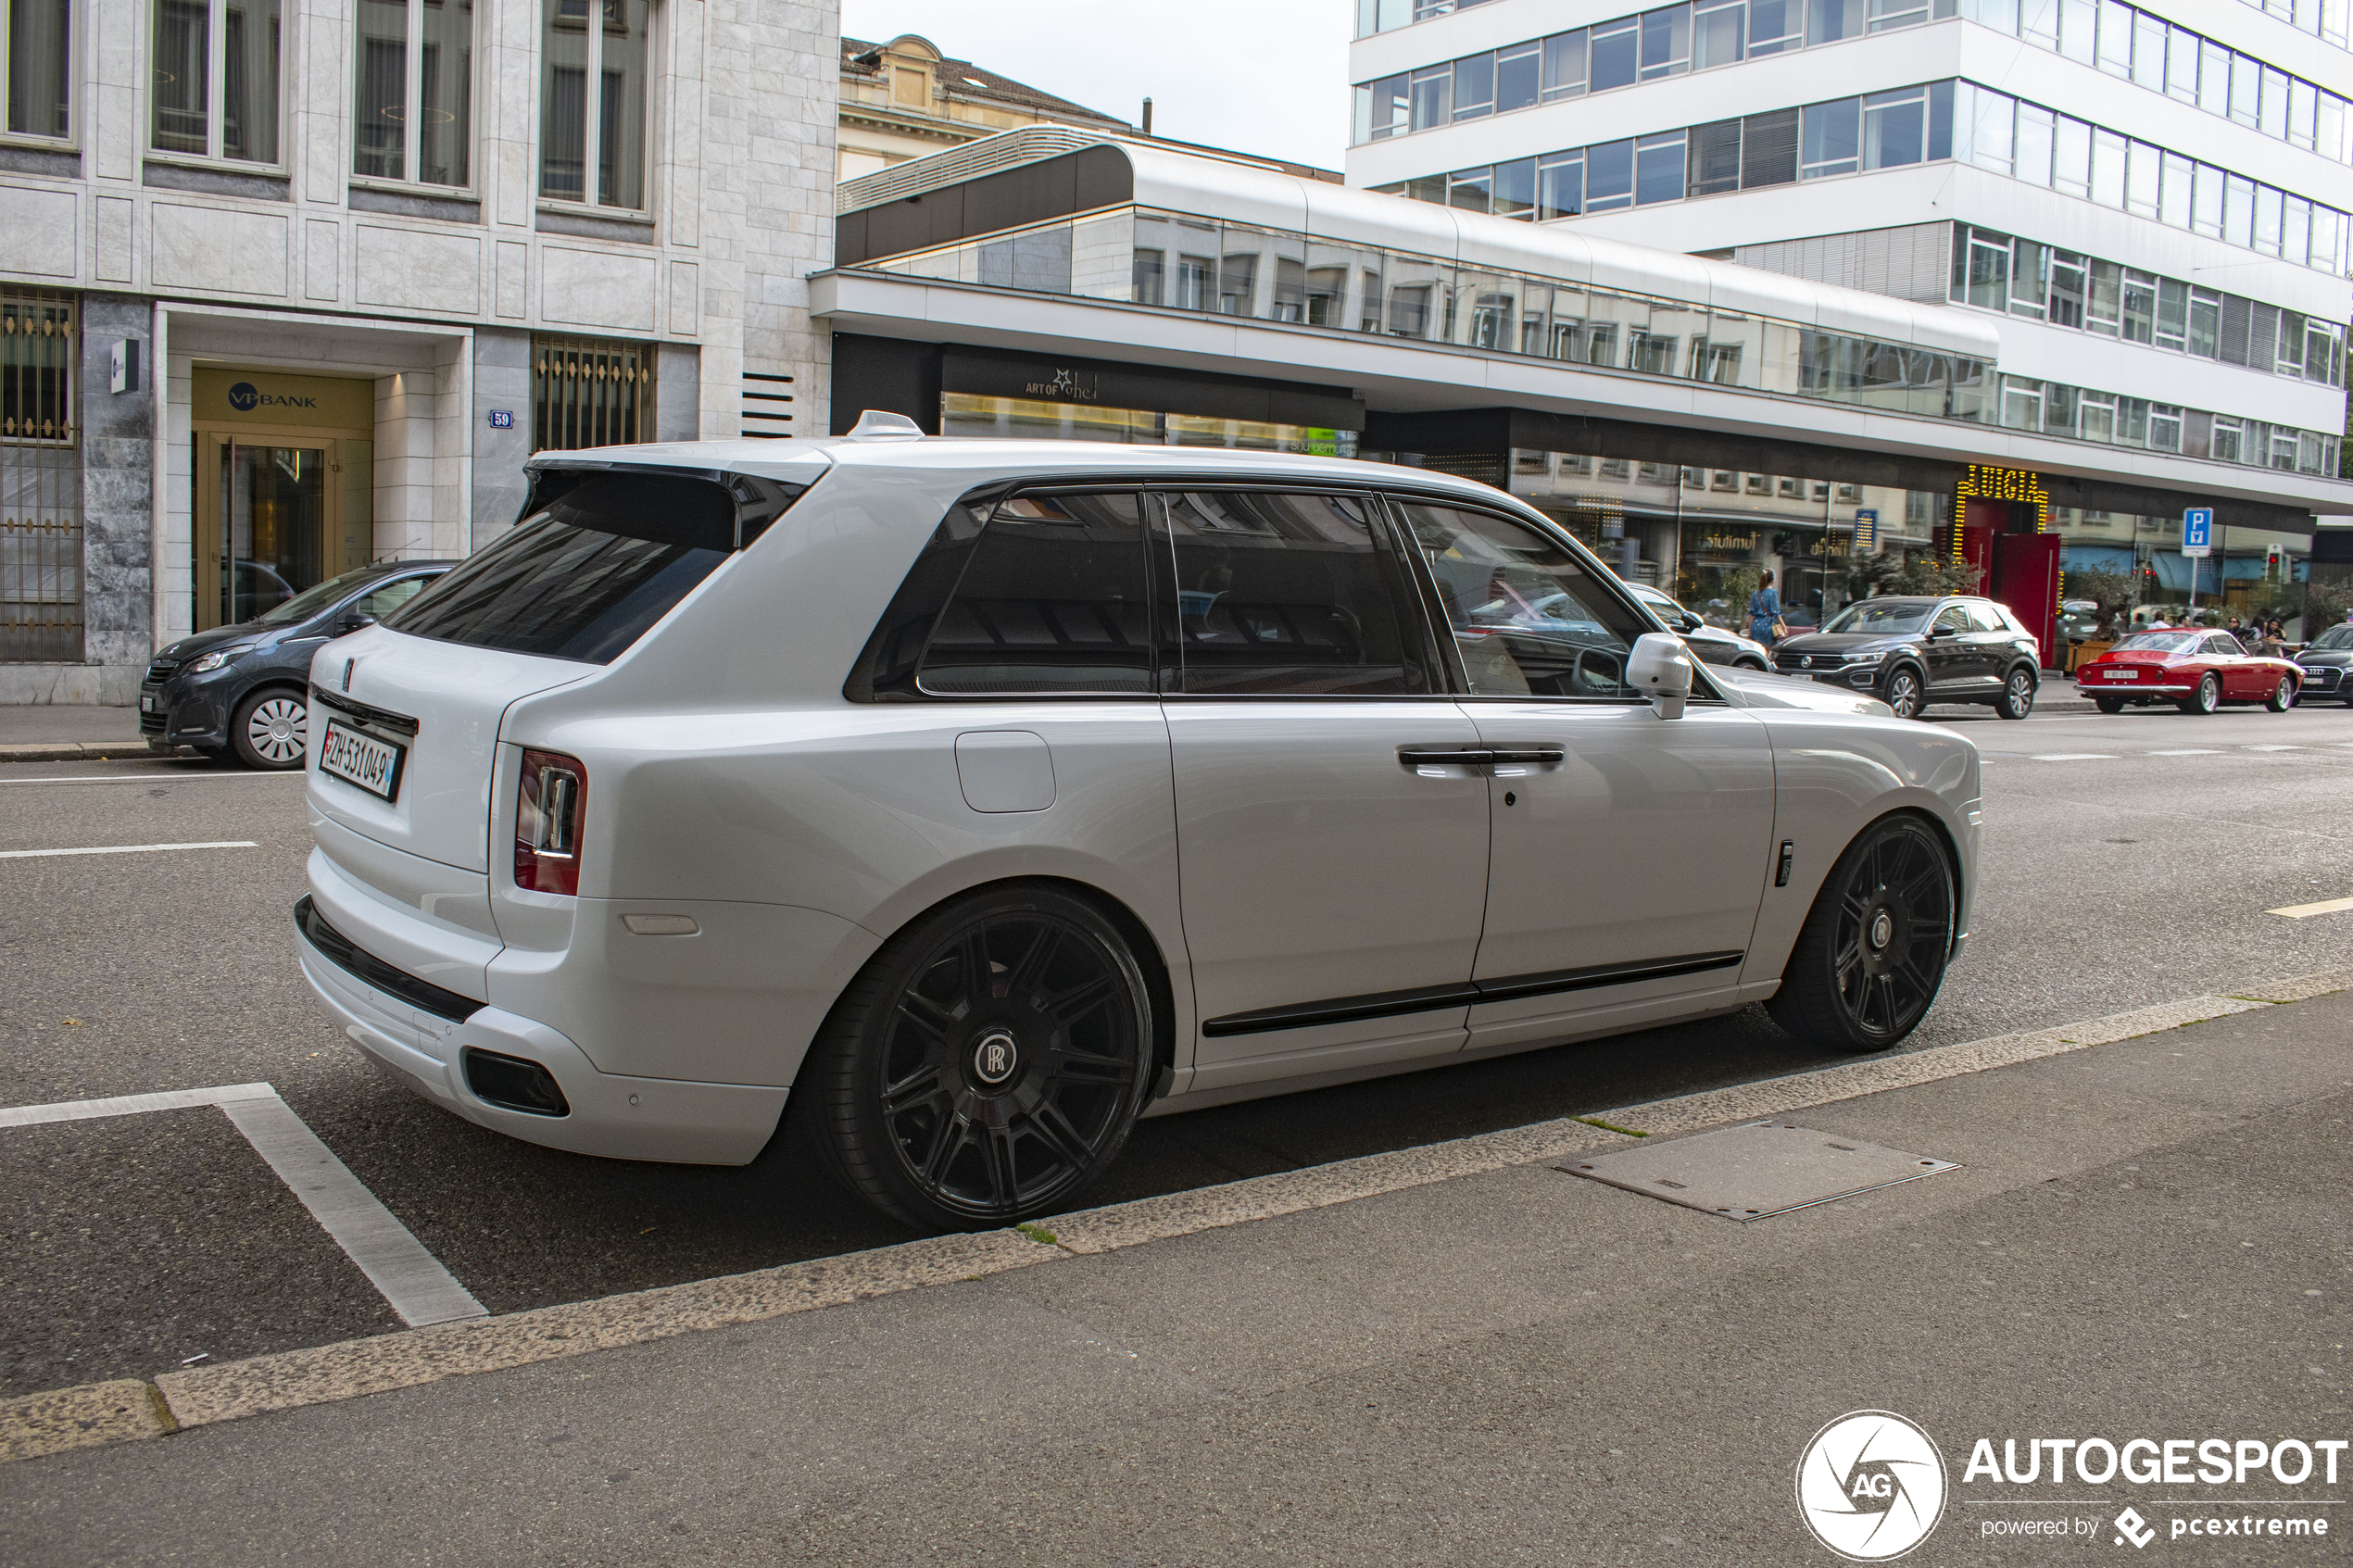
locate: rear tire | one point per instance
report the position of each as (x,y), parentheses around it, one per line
(2018,694)
(2282,697)
(2206,699)
(988,1062)
(2108,704)
(1872,952)
(270,730)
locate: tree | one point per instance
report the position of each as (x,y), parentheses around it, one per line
(1918,571)
(2115,592)
(2324,606)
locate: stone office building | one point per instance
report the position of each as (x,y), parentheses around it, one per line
(290,285)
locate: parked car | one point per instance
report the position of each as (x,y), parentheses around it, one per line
(1714,645)
(1911,651)
(2327,663)
(2197,671)
(239,691)
(973,799)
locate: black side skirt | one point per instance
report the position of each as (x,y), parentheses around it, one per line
(1390,1004)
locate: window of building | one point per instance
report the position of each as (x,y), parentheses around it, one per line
(1775,26)
(1609,176)
(590,391)
(1518,74)
(1560,185)
(235,114)
(1614,52)
(1715,157)
(1719,36)
(1475,86)
(2067,292)
(1667,43)
(1768,149)
(40,543)
(2140,308)
(1658,168)
(1895,128)
(1831,135)
(1563,65)
(593,101)
(1432,95)
(39,78)
(419,121)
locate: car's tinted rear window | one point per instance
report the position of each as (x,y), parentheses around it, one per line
(583,577)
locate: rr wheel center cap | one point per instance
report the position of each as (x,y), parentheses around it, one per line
(996,1058)
(1882,928)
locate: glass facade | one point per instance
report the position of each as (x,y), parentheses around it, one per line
(965,413)
(1927,123)
(2137,45)
(1143,257)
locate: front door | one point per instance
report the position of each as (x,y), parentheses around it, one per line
(1629,851)
(1955,661)
(272,520)
(1331,831)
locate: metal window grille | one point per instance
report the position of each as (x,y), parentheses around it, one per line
(590,391)
(40,479)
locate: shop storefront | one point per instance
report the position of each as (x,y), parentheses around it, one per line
(284,486)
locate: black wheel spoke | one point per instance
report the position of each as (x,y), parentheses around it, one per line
(927,1015)
(948,1136)
(1068,1006)
(1028,974)
(924,1084)
(1050,1126)
(997,1159)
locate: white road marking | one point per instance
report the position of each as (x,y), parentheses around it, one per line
(150,778)
(395,1262)
(129,848)
(2306,912)
(2076,756)
(2194,751)
(2273,748)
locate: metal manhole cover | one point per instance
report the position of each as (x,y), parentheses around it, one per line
(1760,1167)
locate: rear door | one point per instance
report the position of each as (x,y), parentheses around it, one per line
(1331,814)
(1628,852)
(1954,659)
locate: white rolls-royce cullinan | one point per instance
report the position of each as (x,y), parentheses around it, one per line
(973,799)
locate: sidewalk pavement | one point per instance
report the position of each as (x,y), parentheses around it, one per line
(61,732)
(2146,1238)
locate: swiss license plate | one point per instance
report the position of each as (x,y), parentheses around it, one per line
(2119,674)
(146,705)
(375,765)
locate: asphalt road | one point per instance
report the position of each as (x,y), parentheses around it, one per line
(2114,877)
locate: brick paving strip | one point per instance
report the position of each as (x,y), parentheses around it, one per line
(130,1408)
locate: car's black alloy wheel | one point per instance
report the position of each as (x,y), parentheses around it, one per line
(1903,694)
(271,729)
(988,1064)
(2018,694)
(2207,698)
(1872,952)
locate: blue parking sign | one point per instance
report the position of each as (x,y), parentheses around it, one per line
(2198,531)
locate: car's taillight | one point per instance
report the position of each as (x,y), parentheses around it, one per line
(551,803)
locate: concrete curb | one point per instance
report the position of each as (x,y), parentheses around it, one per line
(128,1410)
(82,751)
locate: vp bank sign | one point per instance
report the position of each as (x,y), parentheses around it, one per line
(245,398)
(230,396)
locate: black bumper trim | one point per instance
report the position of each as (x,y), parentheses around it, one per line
(364,966)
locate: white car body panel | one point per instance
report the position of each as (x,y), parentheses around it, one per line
(1270,853)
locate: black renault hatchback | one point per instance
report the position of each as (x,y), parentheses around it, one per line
(244,690)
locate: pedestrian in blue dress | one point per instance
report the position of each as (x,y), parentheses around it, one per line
(1765,611)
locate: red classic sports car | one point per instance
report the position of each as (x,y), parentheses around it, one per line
(2195,670)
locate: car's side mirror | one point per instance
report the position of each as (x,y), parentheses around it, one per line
(359,619)
(1660,668)
(1936,631)
(1687,622)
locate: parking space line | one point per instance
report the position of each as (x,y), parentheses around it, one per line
(2306,912)
(2076,756)
(128,848)
(2193,751)
(395,1262)
(2273,748)
(146,778)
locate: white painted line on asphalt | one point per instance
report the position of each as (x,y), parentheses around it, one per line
(2306,912)
(412,1279)
(128,848)
(395,1262)
(2193,751)
(2272,748)
(130,1105)
(147,778)
(2076,756)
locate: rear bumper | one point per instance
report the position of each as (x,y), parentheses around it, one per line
(411,1033)
(2131,690)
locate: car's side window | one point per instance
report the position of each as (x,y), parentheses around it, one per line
(1982,619)
(1296,593)
(389,598)
(1527,619)
(1052,600)
(2224,642)
(1952,618)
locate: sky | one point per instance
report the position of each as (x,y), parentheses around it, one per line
(1255,76)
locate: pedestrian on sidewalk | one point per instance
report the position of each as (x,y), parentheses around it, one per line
(1765,623)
